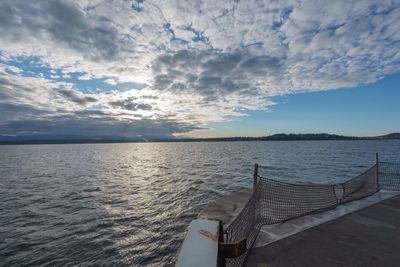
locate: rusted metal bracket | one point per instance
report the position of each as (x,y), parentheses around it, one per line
(232,250)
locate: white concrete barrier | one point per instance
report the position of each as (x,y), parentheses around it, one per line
(200,247)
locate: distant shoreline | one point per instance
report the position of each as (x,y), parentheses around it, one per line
(275,137)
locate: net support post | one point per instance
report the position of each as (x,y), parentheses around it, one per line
(255,176)
(377,170)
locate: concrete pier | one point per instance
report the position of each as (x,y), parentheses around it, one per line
(367,237)
(364,232)
(226,208)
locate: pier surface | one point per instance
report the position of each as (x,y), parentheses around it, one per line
(363,232)
(367,237)
(226,208)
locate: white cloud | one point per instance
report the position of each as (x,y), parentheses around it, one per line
(85,77)
(111,81)
(10,69)
(202,60)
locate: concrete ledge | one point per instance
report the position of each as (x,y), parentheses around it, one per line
(200,247)
(226,208)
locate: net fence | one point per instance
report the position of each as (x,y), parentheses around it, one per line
(389,176)
(362,185)
(275,201)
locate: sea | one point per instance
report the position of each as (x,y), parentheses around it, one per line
(130,204)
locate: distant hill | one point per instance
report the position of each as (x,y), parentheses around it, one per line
(291,137)
(274,137)
(390,136)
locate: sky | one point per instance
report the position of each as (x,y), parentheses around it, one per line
(165,69)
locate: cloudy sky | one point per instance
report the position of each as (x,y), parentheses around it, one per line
(149,69)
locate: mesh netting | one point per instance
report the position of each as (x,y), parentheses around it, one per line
(275,206)
(389,176)
(360,186)
(275,201)
(246,225)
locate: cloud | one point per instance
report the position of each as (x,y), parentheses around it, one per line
(104,127)
(77,97)
(211,73)
(111,81)
(128,104)
(194,62)
(36,108)
(65,23)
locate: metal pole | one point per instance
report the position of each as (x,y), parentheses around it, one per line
(255,176)
(377,170)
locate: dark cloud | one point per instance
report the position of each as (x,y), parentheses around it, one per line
(7,83)
(262,65)
(90,112)
(21,93)
(222,64)
(10,111)
(212,73)
(104,127)
(76,97)
(129,104)
(149,97)
(65,24)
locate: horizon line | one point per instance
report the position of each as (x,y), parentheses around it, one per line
(273,137)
